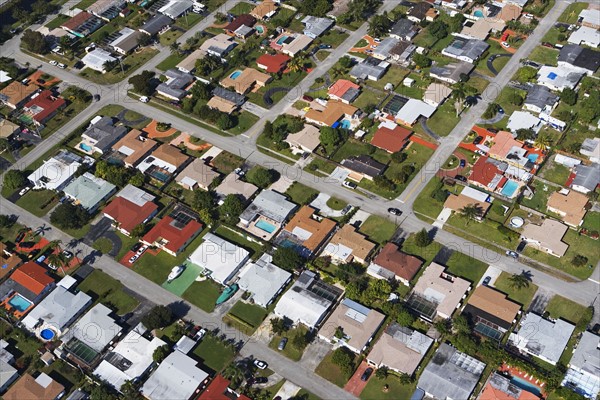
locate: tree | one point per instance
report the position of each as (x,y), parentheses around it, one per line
(261,177)
(57,260)
(345,62)
(203,200)
(207,64)
(144,40)
(515,98)
(4,145)
(518,281)
(339,333)
(14,179)
(443,326)
(421,60)
(438,29)
(6,221)
(543,141)
(279,326)
(526,74)
(231,209)
(461,324)
(330,138)
(399,157)
(379,25)
(297,63)
(491,111)
(130,390)
(160,353)
(381,372)
(343,359)
(459,95)
(525,134)
(102,391)
(69,216)
(287,258)
(138,231)
(143,83)
(384,183)
(225,121)
(137,179)
(579,260)
(318,8)
(158,317)
(568,96)
(422,238)
(405,318)
(201,91)
(300,340)
(470,212)
(234,373)
(268,130)
(35,42)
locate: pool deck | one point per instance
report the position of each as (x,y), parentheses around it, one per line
(515,372)
(260,233)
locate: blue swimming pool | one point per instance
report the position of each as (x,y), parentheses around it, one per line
(509,188)
(478,14)
(235,74)
(533,157)
(346,124)
(266,226)
(47,334)
(525,385)
(260,29)
(282,40)
(85,147)
(19,303)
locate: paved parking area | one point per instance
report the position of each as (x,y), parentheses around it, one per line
(355,385)
(187,277)
(493,273)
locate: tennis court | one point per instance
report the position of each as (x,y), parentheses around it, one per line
(187,277)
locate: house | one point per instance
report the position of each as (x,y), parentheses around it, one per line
(305,140)
(8,373)
(391,137)
(156,24)
(131,207)
(363,166)
(266,214)
(225,100)
(451,374)
(225,106)
(315,26)
(491,312)
(438,293)
(240,22)
(263,280)
(590,17)
(293,44)
(344,90)
(56,172)
(481,28)
(546,237)
(58,310)
(126,42)
(585,36)
(28,387)
(219,46)
(394,50)
(176,8)
(272,63)
(82,24)
(197,175)
(464,49)
(232,184)
(456,203)
(559,78)
(130,359)
(98,60)
(163,162)
(16,94)
(176,86)
(369,68)
(583,374)
(570,205)
(542,338)
(587,178)
(334,111)
(487,173)
(106,9)
(94,332)
(100,135)
(418,12)
(188,64)
(500,387)
(174,231)
(540,99)
(177,377)
(351,325)
(403,29)
(308,300)
(591,149)
(503,143)
(29,283)
(218,389)
(219,259)
(391,263)
(413,110)
(451,73)
(265,10)
(42,107)
(246,80)
(347,245)
(400,349)
(436,94)
(8,260)
(579,58)
(8,129)
(307,230)
(133,147)
(454,4)
(89,191)
(523,120)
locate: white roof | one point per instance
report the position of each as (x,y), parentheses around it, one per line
(56,171)
(475,194)
(96,328)
(57,309)
(300,308)
(522,120)
(541,337)
(4,77)
(95,59)
(220,257)
(413,109)
(589,36)
(135,195)
(566,161)
(270,204)
(134,348)
(590,15)
(559,77)
(177,377)
(263,279)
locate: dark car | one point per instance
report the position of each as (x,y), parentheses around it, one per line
(365,376)
(394,211)
(500,110)
(282,344)
(460,178)
(307,98)
(261,379)
(463,163)
(478,140)
(96,97)
(136,247)
(487,280)
(521,246)
(493,130)
(20,237)
(78,65)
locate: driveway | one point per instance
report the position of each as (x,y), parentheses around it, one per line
(355,385)
(320,203)
(314,353)
(490,62)
(493,273)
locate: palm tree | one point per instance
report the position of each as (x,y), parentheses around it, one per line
(234,373)
(55,244)
(459,94)
(543,141)
(470,211)
(519,281)
(174,47)
(58,260)
(296,64)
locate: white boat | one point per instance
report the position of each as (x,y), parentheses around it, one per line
(175,272)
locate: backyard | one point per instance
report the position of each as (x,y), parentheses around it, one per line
(555,172)
(395,389)
(245,317)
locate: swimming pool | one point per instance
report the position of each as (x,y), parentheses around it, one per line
(47,334)
(85,147)
(265,226)
(478,14)
(235,74)
(260,29)
(19,303)
(533,157)
(525,385)
(509,188)
(282,40)
(346,124)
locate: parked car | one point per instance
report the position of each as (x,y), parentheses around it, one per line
(67,254)
(200,334)
(365,376)
(460,178)
(141,250)
(53,62)
(349,185)
(505,44)
(144,99)
(478,140)
(394,211)
(512,254)
(307,98)
(133,259)
(346,209)
(377,40)
(20,237)
(261,379)
(96,97)
(260,364)
(546,44)
(282,344)
(521,246)
(486,280)
(239,172)
(493,130)
(463,163)
(24,190)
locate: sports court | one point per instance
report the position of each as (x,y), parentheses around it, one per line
(187,277)
(82,351)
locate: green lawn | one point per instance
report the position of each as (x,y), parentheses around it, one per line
(553,35)
(290,351)
(368,97)
(320,165)
(378,229)
(394,74)
(444,119)
(171,61)
(427,205)
(560,307)
(495,48)
(301,194)
(255,249)
(571,13)
(241,8)
(245,317)
(544,55)
(522,296)
(355,148)
(109,292)
(333,38)
(540,198)
(130,64)
(127,243)
(103,245)
(38,202)
(396,390)
(336,204)
(203,294)
(330,371)
(226,162)
(58,21)
(503,100)
(486,229)
(592,221)
(214,353)
(466,267)
(245,121)
(556,173)
(306,395)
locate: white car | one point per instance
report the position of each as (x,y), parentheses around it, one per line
(504,44)
(144,99)
(260,364)
(133,259)
(62,66)
(349,185)
(142,250)
(24,190)
(57,49)
(53,62)
(377,40)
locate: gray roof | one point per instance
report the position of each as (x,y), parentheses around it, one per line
(155,24)
(58,309)
(95,328)
(263,279)
(581,57)
(105,133)
(127,40)
(404,28)
(364,164)
(369,67)
(540,96)
(413,339)
(385,47)
(587,355)
(542,337)
(452,71)
(176,8)
(271,205)
(176,83)
(228,95)
(136,195)
(7,373)
(470,48)
(587,176)
(450,374)
(315,26)
(78,395)
(89,190)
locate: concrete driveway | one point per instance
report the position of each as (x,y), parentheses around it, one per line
(355,385)
(493,273)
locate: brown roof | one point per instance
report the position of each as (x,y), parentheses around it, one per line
(170,154)
(16,92)
(548,235)
(391,140)
(77,20)
(333,112)
(244,19)
(8,260)
(222,105)
(456,203)
(197,171)
(503,142)
(349,237)
(27,388)
(494,303)
(264,8)
(319,229)
(401,264)
(571,206)
(134,147)
(7,128)
(246,80)
(32,277)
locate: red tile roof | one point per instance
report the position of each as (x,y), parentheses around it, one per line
(175,237)
(391,140)
(483,172)
(401,264)
(128,214)
(32,276)
(340,88)
(47,102)
(273,63)
(217,390)
(77,20)
(243,19)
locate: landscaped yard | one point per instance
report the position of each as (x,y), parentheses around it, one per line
(255,249)
(395,389)
(555,172)
(540,198)
(38,202)
(203,294)
(301,194)
(560,307)
(495,48)
(486,230)
(171,61)
(336,204)
(544,55)
(571,13)
(130,64)
(466,266)
(591,221)
(214,353)
(108,291)
(226,162)
(245,317)
(378,229)
(444,119)
(522,296)
(290,350)
(330,371)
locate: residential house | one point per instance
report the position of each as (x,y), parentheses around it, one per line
(307,230)
(177,377)
(219,259)
(89,191)
(272,63)
(266,214)
(438,293)
(263,280)
(481,28)
(157,24)
(82,24)
(315,26)
(56,172)
(451,374)
(174,231)
(246,80)
(239,21)
(369,68)
(133,147)
(28,387)
(8,129)
(100,135)
(488,173)
(225,100)
(414,109)
(465,49)
(344,90)
(469,197)
(106,9)
(305,140)
(347,245)
(29,283)
(542,338)
(587,178)
(352,325)
(308,300)
(218,389)
(540,99)
(42,107)
(546,237)
(399,349)
(403,29)
(418,12)
(232,184)
(559,78)
(219,46)
(163,162)
(16,94)
(436,94)
(334,111)
(523,120)
(583,374)
(363,166)
(391,137)
(454,4)
(176,8)
(265,10)
(589,17)
(197,175)
(394,50)
(98,60)
(580,59)
(591,149)
(500,387)
(585,36)
(570,205)
(8,260)
(391,263)
(491,312)
(130,359)
(131,207)
(177,84)
(188,64)
(451,73)
(126,42)
(8,373)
